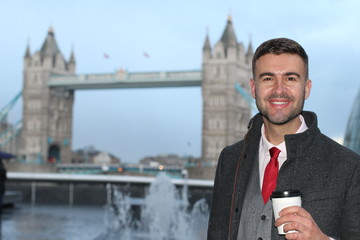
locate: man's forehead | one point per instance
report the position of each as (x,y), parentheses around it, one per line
(279,64)
(277,56)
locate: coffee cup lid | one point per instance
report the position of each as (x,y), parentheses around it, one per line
(286,193)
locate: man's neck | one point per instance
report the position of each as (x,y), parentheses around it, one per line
(275,134)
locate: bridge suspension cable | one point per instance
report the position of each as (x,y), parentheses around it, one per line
(11,130)
(7,135)
(250,101)
(5,110)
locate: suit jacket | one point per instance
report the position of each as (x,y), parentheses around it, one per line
(327,174)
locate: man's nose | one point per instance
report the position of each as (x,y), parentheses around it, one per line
(279,87)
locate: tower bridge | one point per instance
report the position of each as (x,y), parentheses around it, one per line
(123,79)
(50,82)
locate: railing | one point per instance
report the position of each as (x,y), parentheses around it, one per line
(71,180)
(55,177)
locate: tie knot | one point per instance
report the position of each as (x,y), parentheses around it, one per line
(274,152)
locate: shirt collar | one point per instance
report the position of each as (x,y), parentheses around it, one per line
(267,145)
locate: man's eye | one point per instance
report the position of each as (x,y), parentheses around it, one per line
(291,79)
(267,79)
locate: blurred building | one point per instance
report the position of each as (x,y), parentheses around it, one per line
(169,160)
(352,134)
(90,155)
(89,160)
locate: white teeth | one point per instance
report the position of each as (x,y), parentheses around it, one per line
(278,103)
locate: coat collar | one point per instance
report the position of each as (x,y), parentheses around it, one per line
(255,123)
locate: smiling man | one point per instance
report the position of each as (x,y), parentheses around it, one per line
(284,149)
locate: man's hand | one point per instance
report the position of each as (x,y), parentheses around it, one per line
(297,218)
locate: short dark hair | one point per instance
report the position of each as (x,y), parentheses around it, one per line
(280,46)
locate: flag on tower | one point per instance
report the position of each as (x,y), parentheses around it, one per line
(146,54)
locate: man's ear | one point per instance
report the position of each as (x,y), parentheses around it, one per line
(308,86)
(252,86)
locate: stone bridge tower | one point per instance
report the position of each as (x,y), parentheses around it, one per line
(225,111)
(47,113)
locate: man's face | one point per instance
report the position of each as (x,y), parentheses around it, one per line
(280,87)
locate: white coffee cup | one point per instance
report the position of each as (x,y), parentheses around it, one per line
(284,199)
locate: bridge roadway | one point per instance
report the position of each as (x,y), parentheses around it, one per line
(124,79)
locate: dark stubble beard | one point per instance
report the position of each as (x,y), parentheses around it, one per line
(292,115)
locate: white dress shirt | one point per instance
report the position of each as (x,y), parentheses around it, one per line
(265,145)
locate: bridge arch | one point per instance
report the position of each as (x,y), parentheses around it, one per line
(54,153)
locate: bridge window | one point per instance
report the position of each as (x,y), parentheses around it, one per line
(217,101)
(63,127)
(61,105)
(34,124)
(34,104)
(34,80)
(33,144)
(217,123)
(215,146)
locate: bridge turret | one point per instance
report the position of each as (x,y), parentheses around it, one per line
(50,53)
(225,112)
(71,66)
(229,41)
(249,53)
(47,112)
(27,57)
(207,49)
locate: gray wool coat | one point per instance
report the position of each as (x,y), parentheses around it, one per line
(327,174)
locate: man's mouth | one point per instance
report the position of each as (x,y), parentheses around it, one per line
(279,102)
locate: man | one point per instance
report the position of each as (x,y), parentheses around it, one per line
(326,173)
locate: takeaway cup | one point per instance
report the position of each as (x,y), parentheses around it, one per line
(283,199)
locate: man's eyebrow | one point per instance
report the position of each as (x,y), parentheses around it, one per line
(292,73)
(273,74)
(266,74)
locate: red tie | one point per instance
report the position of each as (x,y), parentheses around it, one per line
(271,174)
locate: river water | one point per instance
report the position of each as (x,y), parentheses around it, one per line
(52,222)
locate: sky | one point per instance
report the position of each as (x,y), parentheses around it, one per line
(135,123)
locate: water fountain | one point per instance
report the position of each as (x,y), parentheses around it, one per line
(165,215)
